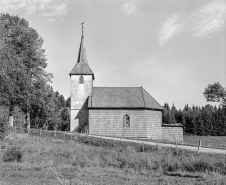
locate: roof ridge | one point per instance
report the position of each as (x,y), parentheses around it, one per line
(152,97)
(122,97)
(117,87)
(142,95)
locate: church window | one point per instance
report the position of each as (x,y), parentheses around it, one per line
(81,80)
(126,121)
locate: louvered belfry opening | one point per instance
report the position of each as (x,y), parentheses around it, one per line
(81,80)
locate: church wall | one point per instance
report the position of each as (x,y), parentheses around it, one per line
(110,122)
(80,92)
(143,123)
(172,133)
(83,120)
(79,95)
(154,124)
(74,123)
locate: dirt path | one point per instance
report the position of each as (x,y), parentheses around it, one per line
(185,147)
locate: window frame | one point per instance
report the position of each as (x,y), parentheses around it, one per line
(126,120)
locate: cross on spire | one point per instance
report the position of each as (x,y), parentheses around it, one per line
(82,28)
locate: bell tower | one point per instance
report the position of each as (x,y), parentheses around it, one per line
(81,81)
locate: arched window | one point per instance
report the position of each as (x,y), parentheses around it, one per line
(126,121)
(81,80)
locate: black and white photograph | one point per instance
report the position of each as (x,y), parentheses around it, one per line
(112,92)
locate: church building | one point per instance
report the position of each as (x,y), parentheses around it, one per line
(115,111)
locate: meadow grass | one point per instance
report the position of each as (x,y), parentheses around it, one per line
(57,161)
(207,141)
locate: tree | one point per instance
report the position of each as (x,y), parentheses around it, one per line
(179,116)
(65,119)
(23,63)
(68,102)
(3,128)
(165,113)
(215,93)
(43,109)
(207,117)
(61,101)
(171,118)
(56,114)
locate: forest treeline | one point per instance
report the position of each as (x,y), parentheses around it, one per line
(52,114)
(205,120)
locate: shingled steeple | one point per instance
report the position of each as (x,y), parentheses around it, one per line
(82,66)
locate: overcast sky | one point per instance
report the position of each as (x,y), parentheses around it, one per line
(173,48)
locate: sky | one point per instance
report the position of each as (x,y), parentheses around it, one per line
(172,48)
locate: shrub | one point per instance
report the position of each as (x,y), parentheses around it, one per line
(202,166)
(12,155)
(173,166)
(3,128)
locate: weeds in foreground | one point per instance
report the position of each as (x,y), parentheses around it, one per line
(59,177)
(12,155)
(40,153)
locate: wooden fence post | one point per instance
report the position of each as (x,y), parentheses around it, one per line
(143,146)
(16,131)
(44,132)
(75,138)
(176,147)
(199,146)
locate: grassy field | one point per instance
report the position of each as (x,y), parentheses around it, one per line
(57,161)
(207,141)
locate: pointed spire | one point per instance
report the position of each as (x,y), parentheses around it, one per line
(82,66)
(82,52)
(82,28)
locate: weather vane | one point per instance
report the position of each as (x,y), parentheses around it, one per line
(82,28)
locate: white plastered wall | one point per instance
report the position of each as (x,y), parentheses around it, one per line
(154,124)
(79,95)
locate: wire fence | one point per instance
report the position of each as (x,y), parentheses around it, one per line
(104,141)
(109,140)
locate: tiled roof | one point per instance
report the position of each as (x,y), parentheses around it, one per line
(122,97)
(82,66)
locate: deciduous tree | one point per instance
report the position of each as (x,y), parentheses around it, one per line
(23,63)
(215,93)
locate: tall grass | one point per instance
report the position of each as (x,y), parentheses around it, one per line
(62,158)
